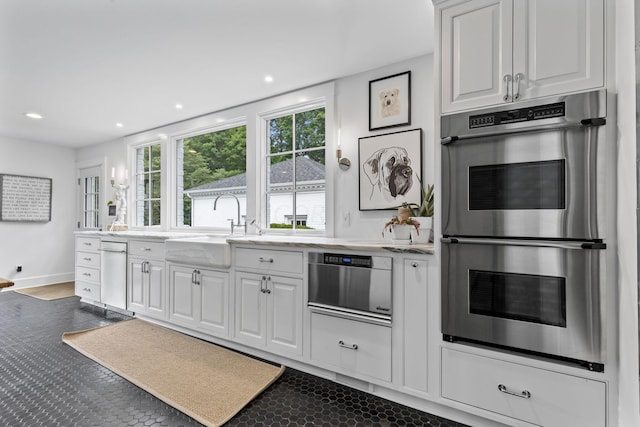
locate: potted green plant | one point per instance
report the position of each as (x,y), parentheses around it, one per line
(423,211)
(401,225)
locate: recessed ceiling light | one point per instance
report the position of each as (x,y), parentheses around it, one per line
(33,115)
(119,125)
(268,79)
(178,106)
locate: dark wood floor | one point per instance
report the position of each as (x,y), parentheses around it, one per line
(43,382)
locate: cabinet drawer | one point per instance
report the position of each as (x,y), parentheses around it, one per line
(91,244)
(146,249)
(88,290)
(88,259)
(88,274)
(269,260)
(528,394)
(351,346)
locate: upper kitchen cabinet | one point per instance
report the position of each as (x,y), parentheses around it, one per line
(501,51)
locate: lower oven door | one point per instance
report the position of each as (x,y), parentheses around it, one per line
(536,296)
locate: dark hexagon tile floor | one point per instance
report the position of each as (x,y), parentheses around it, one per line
(46,383)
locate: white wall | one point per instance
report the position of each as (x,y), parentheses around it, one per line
(44,249)
(352,94)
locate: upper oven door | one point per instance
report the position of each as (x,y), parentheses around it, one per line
(536,181)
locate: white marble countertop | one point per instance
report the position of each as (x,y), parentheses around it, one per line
(278,240)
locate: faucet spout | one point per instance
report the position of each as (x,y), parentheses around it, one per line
(237,224)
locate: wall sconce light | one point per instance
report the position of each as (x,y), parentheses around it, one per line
(343,162)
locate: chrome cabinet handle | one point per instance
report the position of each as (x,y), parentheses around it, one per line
(414,264)
(86,259)
(265,289)
(262,281)
(266,285)
(145,248)
(518,78)
(195,277)
(523,394)
(86,274)
(86,289)
(269,260)
(507,82)
(87,243)
(348,347)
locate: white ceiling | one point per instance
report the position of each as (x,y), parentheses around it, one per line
(87,64)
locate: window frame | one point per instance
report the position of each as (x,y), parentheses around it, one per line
(264,154)
(132,211)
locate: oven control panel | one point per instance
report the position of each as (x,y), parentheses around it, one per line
(519,115)
(352,260)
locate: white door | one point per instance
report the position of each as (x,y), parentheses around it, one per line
(558,46)
(476,54)
(135,291)
(249,308)
(89,198)
(214,287)
(182,294)
(156,285)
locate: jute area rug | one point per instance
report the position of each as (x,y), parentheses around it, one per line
(50,292)
(207,382)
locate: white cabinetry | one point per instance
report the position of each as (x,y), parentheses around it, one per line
(497,51)
(198,299)
(351,347)
(268,307)
(88,268)
(521,392)
(146,284)
(415,325)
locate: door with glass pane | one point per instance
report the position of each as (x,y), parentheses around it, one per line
(89,195)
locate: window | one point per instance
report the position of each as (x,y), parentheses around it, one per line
(209,166)
(148,191)
(90,194)
(295,168)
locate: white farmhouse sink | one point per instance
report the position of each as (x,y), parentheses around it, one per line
(203,251)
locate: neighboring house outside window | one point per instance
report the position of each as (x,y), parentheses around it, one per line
(311,179)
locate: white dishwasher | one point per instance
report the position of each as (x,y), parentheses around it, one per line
(113,277)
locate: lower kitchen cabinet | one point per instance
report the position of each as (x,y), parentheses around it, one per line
(269,312)
(534,395)
(146,293)
(351,347)
(87,270)
(415,314)
(199,299)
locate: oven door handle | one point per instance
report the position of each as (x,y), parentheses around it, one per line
(535,243)
(590,122)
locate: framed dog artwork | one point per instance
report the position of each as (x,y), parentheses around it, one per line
(390,101)
(390,166)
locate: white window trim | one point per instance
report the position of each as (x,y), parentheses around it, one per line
(262,140)
(132,206)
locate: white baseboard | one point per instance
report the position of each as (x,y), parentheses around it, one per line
(32,282)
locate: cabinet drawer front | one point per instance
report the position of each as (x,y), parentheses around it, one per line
(353,347)
(88,274)
(88,244)
(88,290)
(88,259)
(149,250)
(529,394)
(270,260)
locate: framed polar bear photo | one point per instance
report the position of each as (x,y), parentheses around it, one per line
(390,101)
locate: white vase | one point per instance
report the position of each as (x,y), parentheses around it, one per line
(401,233)
(423,234)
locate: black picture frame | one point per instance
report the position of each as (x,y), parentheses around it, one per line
(382,165)
(390,101)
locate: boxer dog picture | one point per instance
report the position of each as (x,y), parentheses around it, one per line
(390,101)
(389,165)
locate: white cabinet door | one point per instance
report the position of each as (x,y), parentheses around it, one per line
(157,305)
(476,54)
(284,314)
(213,301)
(250,325)
(415,321)
(135,291)
(500,51)
(182,295)
(558,46)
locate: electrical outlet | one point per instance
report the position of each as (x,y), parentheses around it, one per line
(19,268)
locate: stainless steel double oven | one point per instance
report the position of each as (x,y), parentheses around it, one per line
(523,227)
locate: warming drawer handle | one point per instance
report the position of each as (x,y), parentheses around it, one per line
(269,260)
(523,394)
(349,347)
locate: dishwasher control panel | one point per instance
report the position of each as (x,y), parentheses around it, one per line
(352,260)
